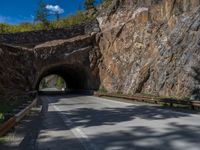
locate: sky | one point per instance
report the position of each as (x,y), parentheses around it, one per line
(20,11)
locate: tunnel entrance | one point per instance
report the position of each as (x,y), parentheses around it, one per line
(72,77)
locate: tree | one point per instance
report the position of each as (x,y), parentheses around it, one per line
(89,4)
(42,13)
(55,10)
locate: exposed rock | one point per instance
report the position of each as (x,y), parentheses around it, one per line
(146,46)
(14,69)
(72,57)
(150,46)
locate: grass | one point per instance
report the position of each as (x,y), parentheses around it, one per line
(78,18)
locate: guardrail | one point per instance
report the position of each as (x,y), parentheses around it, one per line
(11,122)
(154,100)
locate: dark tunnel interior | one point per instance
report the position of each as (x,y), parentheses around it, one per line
(76,77)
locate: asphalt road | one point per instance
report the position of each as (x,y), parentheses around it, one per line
(91,123)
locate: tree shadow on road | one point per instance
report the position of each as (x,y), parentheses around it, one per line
(88,117)
(143,137)
(176,137)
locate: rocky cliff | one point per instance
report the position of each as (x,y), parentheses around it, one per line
(143,46)
(151,46)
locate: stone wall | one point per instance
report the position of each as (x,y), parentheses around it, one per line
(33,38)
(16,68)
(150,46)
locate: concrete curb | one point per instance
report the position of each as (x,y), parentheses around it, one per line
(5,127)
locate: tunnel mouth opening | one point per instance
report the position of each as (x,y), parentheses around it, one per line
(52,83)
(74,77)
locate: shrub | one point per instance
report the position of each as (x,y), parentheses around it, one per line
(102,89)
(1,118)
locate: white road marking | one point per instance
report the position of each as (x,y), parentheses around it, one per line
(80,135)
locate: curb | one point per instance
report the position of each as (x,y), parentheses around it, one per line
(5,127)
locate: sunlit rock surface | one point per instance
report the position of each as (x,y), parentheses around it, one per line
(151,46)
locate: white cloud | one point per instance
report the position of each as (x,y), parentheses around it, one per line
(55,9)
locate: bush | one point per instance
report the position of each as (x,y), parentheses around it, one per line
(1,118)
(102,89)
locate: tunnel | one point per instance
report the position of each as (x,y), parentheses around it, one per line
(76,77)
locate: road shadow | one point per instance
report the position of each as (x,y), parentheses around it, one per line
(176,137)
(141,137)
(146,138)
(90,116)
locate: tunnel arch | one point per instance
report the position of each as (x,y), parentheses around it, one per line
(76,76)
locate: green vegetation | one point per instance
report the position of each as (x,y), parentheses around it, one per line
(41,22)
(42,14)
(102,89)
(8,103)
(89,4)
(1,118)
(52,81)
(60,83)
(78,18)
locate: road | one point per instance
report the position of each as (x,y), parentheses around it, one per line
(77,122)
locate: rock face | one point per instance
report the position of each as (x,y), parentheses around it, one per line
(15,67)
(151,46)
(26,58)
(143,46)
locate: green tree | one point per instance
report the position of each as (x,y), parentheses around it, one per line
(42,14)
(1,117)
(89,4)
(60,83)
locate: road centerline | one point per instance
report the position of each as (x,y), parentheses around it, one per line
(79,134)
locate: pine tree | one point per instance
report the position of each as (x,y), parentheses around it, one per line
(42,13)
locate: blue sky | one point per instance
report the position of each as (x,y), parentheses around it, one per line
(18,11)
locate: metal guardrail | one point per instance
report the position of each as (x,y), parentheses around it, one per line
(4,128)
(155,100)
(12,121)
